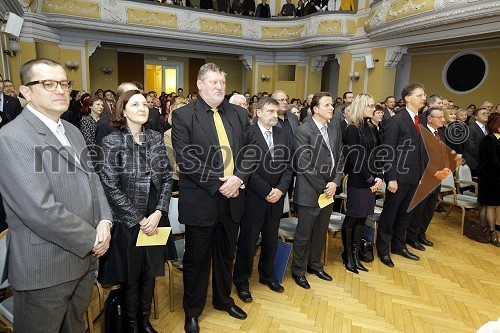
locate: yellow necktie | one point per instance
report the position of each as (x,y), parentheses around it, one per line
(225,147)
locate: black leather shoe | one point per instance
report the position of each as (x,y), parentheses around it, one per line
(321,274)
(191,325)
(245,296)
(234,311)
(416,245)
(301,281)
(425,241)
(497,227)
(386,260)
(274,286)
(405,253)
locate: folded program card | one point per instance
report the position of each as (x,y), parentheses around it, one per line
(324,201)
(159,239)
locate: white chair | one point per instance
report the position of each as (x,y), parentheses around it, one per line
(177,229)
(464,181)
(343,195)
(380,201)
(335,226)
(456,200)
(286,230)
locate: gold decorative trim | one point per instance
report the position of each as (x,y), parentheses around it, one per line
(405,8)
(71,7)
(221,27)
(147,17)
(282,32)
(329,27)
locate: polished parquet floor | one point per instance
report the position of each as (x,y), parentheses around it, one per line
(455,287)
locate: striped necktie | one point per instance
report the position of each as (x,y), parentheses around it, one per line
(225,146)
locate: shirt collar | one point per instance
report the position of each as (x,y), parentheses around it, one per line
(318,124)
(412,114)
(263,129)
(431,129)
(52,125)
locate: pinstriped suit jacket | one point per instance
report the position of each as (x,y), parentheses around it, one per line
(53,204)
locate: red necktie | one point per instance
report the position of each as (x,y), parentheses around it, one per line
(417,122)
(111,108)
(436,134)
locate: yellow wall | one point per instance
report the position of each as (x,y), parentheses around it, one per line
(73,75)
(103,58)
(313,82)
(28,52)
(427,69)
(345,68)
(380,79)
(233,69)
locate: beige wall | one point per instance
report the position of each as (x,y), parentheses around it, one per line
(428,68)
(103,58)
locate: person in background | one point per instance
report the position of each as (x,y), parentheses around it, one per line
(294,110)
(362,183)
(137,179)
(263,10)
(477,131)
(489,180)
(89,123)
(288,9)
(248,7)
(450,115)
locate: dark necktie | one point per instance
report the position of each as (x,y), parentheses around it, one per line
(436,134)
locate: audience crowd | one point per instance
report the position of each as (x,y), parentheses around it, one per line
(269,148)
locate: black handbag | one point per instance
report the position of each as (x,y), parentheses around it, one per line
(113,312)
(366,253)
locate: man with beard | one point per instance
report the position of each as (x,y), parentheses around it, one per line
(210,138)
(264,201)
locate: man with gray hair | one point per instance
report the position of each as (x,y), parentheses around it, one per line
(240,100)
(435,101)
(286,120)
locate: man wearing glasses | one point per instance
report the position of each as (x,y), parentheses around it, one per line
(286,120)
(58,215)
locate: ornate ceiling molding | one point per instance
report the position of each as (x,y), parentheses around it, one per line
(393,55)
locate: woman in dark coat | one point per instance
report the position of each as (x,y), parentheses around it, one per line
(489,175)
(137,180)
(363,177)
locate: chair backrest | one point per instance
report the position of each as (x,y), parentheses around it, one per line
(464,173)
(3,257)
(173,217)
(448,181)
(286,206)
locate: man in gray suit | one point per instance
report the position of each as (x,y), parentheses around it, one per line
(57,212)
(319,165)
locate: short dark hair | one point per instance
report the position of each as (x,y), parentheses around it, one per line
(431,109)
(345,94)
(26,71)
(266,101)
(479,110)
(95,99)
(409,89)
(317,97)
(119,121)
(385,100)
(139,85)
(107,91)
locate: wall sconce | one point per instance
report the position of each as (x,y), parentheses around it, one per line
(107,70)
(265,77)
(354,75)
(72,66)
(14,48)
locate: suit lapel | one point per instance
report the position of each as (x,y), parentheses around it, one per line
(51,140)
(232,116)
(407,119)
(206,119)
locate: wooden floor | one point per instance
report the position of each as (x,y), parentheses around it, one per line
(455,287)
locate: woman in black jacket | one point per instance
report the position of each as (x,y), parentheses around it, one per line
(364,178)
(137,180)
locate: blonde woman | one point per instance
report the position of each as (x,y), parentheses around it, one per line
(360,141)
(450,115)
(167,139)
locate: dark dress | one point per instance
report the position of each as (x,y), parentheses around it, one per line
(361,170)
(489,171)
(137,180)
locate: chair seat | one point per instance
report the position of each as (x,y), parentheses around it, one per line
(179,248)
(7,309)
(462,200)
(379,202)
(287,226)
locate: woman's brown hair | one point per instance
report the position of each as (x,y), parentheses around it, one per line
(119,121)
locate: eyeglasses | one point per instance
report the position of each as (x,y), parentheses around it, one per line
(282,100)
(51,85)
(370,106)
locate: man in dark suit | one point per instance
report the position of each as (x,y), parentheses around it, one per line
(390,103)
(306,110)
(210,138)
(287,120)
(424,211)
(319,164)
(403,171)
(109,102)
(477,131)
(10,108)
(264,200)
(59,219)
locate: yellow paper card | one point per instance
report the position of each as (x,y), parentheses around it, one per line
(324,201)
(159,239)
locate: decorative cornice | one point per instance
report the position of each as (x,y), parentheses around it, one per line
(318,63)
(393,55)
(247,62)
(92,45)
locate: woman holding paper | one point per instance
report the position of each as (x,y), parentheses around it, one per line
(137,180)
(364,179)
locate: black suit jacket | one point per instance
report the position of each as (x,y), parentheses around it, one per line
(387,116)
(199,159)
(313,162)
(304,112)
(471,149)
(11,109)
(270,173)
(404,162)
